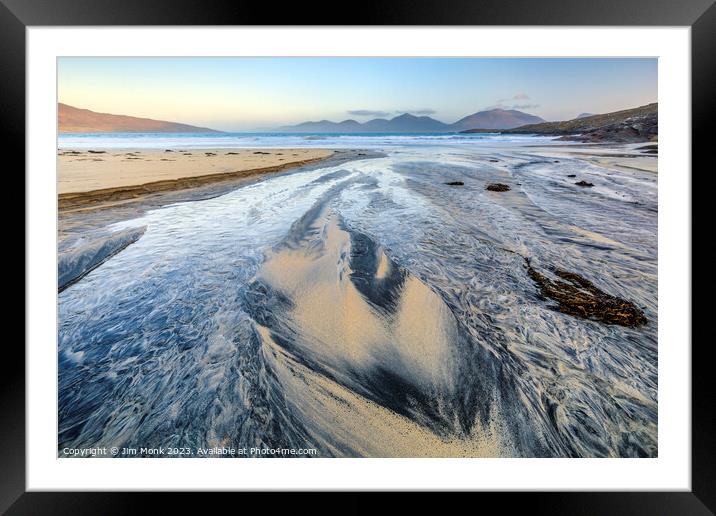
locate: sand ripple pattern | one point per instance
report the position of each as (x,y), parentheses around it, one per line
(370,309)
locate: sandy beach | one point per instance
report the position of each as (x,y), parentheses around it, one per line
(444,256)
(358,298)
(92,177)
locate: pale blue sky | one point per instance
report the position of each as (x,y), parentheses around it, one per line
(263,93)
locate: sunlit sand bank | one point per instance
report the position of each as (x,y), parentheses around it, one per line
(87,177)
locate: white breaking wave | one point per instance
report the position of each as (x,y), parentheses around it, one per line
(268,140)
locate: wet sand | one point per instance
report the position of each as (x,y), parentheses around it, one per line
(86,221)
(366,308)
(92,177)
(630,157)
(394,334)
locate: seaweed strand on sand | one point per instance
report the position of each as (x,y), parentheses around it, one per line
(577,296)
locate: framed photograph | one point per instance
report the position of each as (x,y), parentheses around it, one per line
(446,248)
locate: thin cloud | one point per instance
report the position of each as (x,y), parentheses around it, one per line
(426,111)
(509,103)
(367,112)
(518,96)
(379,113)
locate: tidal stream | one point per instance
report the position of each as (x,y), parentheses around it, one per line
(370,309)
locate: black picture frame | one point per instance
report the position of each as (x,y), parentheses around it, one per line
(700,15)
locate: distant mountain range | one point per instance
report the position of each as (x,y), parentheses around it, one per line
(583,115)
(407,123)
(76,120)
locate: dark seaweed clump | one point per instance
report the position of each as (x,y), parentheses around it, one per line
(579,297)
(455,183)
(497,187)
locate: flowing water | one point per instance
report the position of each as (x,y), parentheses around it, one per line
(369,309)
